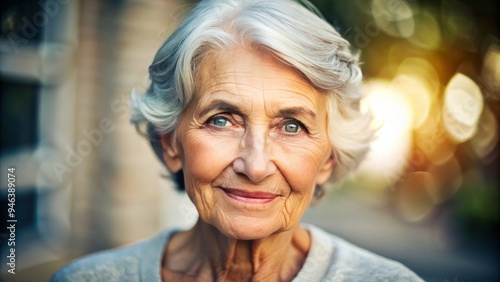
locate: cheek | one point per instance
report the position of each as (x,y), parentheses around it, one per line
(300,166)
(204,159)
(301,163)
(206,156)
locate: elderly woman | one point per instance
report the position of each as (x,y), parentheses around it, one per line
(253,106)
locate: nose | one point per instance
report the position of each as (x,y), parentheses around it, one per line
(254,160)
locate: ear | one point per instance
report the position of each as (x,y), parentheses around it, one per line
(326,170)
(171,154)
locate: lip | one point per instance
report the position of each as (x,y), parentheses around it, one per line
(251,197)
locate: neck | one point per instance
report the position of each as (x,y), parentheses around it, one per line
(204,252)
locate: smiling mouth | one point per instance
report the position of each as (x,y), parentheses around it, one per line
(250,197)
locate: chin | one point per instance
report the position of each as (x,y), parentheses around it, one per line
(244,228)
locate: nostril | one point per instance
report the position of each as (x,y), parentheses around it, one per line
(252,169)
(239,166)
(254,160)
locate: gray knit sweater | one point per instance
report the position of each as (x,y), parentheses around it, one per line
(329,259)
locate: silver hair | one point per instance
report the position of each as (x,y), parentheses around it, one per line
(291,33)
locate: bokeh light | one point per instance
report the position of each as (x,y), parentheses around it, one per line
(427,34)
(490,72)
(463,104)
(394,17)
(393,116)
(486,138)
(418,95)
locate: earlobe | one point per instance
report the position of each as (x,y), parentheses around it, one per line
(326,171)
(171,154)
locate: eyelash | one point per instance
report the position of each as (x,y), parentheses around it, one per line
(288,121)
(210,121)
(282,124)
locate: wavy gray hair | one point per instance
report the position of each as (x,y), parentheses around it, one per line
(292,34)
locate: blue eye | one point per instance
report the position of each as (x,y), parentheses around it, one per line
(220,121)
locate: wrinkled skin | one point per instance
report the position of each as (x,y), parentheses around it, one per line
(256,126)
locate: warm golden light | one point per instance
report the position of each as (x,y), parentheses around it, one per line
(415,90)
(422,70)
(463,104)
(393,113)
(442,152)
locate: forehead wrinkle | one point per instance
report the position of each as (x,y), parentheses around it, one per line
(291,87)
(232,73)
(292,94)
(230,83)
(289,82)
(265,80)
(235,77)
(236,80)
(296,98)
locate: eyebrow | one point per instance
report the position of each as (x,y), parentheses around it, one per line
(220,105)
(297,111)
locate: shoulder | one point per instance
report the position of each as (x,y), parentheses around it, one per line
(122,264)
(102,266)
(344,261)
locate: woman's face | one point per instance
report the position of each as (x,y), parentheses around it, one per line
(252,144)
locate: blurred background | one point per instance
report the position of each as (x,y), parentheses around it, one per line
(426,196)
